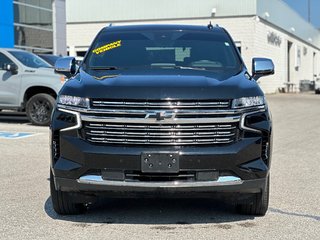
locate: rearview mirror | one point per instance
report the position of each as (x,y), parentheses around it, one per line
(262,67)
(66,66)
(10,67)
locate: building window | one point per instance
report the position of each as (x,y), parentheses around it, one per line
(81,53)
(33,28)
(37,3)
(33,17)
(36,40)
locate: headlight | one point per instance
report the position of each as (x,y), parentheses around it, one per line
(248,102)
(73,101)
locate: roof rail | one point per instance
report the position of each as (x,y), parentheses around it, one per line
(210,26)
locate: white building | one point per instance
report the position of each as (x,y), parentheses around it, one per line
(264,28)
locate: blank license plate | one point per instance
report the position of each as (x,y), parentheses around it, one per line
(162,162)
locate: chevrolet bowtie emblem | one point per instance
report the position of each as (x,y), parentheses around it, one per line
(160,115)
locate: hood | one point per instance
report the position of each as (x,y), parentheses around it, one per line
(41,71)
(161,84)
(46,71)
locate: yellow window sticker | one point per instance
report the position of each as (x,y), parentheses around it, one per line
(107,47)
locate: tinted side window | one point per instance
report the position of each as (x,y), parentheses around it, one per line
(29,59)
(4,60)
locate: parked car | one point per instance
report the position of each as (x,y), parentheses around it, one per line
(167,110)
(28,83)
(317,86)
(49,58)
(79,60)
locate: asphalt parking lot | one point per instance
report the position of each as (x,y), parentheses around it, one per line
(294,211)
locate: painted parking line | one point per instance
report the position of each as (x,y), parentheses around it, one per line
(15,135)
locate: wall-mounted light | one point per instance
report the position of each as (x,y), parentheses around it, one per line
(292,29)
(214,10)
(267,14)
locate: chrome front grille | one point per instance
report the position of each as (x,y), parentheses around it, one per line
(160,122)
(160,104)
(160,134)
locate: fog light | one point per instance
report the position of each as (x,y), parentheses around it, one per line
(207,176)
(112,175)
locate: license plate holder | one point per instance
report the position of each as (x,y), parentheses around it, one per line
(160,162)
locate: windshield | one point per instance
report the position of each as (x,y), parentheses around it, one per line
(30,60)
(212,51)
(51,59)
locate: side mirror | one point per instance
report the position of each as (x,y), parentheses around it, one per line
(10,67)
(262,67)
(66,66)
(78,62)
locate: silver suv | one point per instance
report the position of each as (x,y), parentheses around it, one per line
(28,83)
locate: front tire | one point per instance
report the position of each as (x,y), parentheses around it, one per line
(39,108)
(63,203)
(258,205)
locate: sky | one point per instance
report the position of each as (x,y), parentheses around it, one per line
(301,6)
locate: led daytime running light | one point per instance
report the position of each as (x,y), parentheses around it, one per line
(246,102)
(73,101)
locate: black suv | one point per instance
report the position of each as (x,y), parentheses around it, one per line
(161,110)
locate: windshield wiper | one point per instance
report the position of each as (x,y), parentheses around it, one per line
(192,68)
(104,68)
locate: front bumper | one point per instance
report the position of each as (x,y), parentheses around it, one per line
(243,166)
(98,186)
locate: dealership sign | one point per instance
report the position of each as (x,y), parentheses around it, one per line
(274,39)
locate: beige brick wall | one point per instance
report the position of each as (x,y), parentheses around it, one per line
(279,54)
(262,48)
(80,36)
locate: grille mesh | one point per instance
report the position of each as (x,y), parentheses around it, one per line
(160,104)
(185,122)
(169,134)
